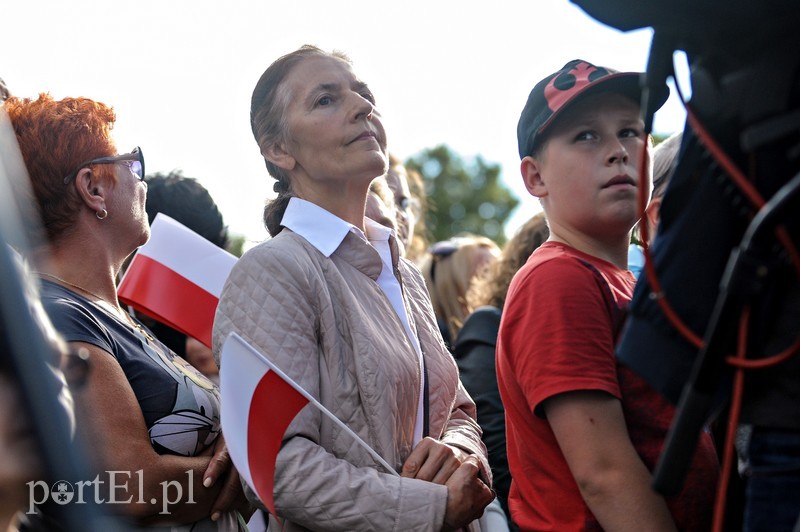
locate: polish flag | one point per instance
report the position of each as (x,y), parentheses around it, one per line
(177,278)
(259,401)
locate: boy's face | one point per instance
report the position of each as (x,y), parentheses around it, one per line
(587,172)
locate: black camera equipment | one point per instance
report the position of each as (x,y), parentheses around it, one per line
(725,267)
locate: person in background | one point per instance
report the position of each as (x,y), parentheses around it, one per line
(141,408)
(330,301)
(408,207)
(474,349)
(449,268)
(22,461)
(380,204)
(419,207)
(5,94)
(664,156)
(583,431)
(185,200)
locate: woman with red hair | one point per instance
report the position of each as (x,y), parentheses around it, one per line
(152,421)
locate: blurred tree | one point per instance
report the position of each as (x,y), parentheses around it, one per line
(658,138)
(462,196)
(236,244)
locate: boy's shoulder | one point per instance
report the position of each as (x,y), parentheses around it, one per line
(555,256)
(550,261)
(554,264)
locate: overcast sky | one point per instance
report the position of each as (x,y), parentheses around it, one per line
(180,74)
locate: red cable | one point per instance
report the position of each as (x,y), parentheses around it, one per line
(739,178)
(729,452)
(657,292)
(761,363)
(755,198)
(739,362)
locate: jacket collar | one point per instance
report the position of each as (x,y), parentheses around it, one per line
(358,253)
(356,249)
(322,229)
(330,234)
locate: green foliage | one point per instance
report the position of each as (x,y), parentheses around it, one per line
(462,196)
(658,138)
(235,244)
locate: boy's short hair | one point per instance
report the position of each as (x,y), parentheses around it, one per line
(559,90)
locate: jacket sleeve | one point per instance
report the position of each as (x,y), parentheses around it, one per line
(474,352)
(463,431)
(459,426)
(273,299)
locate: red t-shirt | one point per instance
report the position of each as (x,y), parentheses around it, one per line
(558,331)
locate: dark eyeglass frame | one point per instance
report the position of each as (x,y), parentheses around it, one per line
(135,155)
(440,250)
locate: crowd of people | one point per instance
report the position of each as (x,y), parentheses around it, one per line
(484,376)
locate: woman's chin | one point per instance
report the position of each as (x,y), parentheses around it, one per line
(381,164)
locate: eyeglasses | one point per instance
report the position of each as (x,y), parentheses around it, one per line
(133,160)
(439,251)
(411,205)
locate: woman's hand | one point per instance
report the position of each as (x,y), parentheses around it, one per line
(467,495)
(109,416)
(433,461)
(231,495)
(220,461)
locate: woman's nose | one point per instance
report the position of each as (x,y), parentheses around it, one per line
(363,108)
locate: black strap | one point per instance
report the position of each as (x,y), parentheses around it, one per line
(426,429)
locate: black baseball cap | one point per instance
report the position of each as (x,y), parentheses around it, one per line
(557,91)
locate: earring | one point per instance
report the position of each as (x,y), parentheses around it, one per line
(101,214)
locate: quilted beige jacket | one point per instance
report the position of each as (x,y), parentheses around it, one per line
(328,325)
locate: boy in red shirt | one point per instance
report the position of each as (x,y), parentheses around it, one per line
(583,432)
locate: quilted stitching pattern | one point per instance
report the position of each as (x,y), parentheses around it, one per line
(326,323)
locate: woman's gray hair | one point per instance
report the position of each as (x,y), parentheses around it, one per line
(268,122)
(664,156)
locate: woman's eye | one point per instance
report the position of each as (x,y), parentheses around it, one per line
(325,100)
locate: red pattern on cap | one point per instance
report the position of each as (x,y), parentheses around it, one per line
(557,97)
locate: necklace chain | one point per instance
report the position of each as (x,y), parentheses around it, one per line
(128,320)
(72,285)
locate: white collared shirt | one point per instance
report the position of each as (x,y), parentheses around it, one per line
(326,232)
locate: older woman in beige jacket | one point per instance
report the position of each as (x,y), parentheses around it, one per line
(330,301)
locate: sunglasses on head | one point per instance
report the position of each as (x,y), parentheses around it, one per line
(133,160)
(440,250)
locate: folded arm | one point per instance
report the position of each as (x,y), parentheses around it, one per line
(110,421)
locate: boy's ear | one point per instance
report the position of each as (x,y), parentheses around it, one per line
(530,169)
(277,155)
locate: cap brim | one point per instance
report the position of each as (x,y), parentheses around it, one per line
(625,83)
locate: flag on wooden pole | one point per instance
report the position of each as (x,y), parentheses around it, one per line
(259,401)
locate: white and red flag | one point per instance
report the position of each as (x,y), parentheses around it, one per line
(259,402)
(177,278)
